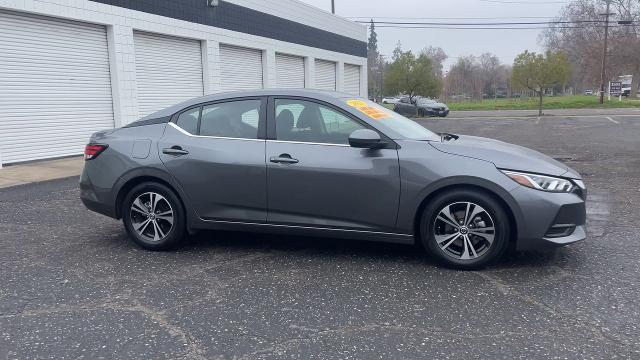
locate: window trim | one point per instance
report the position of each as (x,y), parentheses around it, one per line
(271,122)
(262,120)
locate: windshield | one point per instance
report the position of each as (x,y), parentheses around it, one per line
(391,123)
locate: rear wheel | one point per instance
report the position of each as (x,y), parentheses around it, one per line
(420,113)
(153,216)
(465,229)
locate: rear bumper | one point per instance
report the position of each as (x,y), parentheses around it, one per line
(93,198)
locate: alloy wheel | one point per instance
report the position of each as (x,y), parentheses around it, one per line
(152,216)
(464,230)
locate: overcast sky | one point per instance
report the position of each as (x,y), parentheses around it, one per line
(506,44)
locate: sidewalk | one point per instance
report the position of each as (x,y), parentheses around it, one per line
(12,175)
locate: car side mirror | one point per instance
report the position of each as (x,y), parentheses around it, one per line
(365,139)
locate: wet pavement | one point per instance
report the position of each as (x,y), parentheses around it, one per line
(73,286)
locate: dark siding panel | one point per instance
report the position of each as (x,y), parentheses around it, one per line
(238,18)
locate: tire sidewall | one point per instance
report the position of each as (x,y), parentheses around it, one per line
(493,207)
(177,231)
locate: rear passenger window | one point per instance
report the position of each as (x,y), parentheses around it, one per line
(188,121)
(234,119)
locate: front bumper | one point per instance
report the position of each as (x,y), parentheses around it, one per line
(436,112)
(549,219)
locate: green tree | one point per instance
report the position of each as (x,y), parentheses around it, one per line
(537,72)
(373,61)
(411,75)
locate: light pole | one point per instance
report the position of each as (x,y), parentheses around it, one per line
(604,52)
(333,6)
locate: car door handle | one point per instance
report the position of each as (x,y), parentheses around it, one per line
(284,159)
(175,150)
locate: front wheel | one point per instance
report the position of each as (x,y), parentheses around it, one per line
(153,216)
(465,229)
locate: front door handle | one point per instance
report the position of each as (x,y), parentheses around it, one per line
(284,159)
(175,150)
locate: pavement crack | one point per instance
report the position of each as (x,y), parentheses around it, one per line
(194,349)
(565,317)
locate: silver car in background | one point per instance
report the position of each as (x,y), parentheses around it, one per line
(320,163)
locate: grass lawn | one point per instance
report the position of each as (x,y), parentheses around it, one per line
(555,102)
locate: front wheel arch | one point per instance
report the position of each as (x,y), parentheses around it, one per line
(513,223)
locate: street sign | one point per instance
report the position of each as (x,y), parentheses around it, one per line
(615,88)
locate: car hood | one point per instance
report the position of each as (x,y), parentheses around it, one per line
(505,155)
(432,105)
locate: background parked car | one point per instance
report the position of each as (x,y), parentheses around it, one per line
(389,100)
(588,92)
(421,107)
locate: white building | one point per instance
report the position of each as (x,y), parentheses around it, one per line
(69,68)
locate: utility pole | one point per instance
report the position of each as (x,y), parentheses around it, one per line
(381,66)
(604,52)
(333,6)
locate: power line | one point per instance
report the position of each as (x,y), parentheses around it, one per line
(486,23)
(450,18)
(524,2)
(492,27)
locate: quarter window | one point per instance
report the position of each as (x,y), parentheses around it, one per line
(235,119)
(306,121)
(188,120)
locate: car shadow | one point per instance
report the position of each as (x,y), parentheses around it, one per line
(366,250)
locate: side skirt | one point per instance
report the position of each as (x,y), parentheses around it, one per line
(305,231)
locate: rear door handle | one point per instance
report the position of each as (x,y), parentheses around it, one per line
(175,150)
(284,159)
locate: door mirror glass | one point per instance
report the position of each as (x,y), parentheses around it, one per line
(365,139)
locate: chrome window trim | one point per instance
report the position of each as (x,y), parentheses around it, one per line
(307,143)
(210,137)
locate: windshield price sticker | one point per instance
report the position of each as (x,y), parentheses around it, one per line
(370,111)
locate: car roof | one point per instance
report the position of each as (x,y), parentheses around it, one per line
(315,94)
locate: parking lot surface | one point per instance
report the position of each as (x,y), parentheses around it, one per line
(73,286)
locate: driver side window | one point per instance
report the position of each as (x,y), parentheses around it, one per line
(306,121)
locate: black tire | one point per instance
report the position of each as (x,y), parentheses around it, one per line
(174,234)
(420,113)
(493,252)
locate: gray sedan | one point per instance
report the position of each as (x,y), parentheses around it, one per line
(328,164)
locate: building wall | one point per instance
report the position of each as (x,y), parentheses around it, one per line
(121,22)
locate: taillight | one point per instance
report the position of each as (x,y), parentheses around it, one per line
(91,151)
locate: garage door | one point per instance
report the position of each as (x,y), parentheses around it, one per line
(241,68)
(55,87)
(289,71)
(168,71)
(325,75)
(352,79)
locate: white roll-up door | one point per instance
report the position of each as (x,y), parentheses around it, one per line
(325,75)
(55,86)
(240,68)
(168,71)
(352,79)
(289,71)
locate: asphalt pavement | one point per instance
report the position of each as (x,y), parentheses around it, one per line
(74,287)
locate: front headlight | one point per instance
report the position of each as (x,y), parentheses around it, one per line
(540,182)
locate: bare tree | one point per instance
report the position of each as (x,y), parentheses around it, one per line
(438,57)
(489,68)
(583,42)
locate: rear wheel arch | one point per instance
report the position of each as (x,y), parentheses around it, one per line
(507,205)
(134,181)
